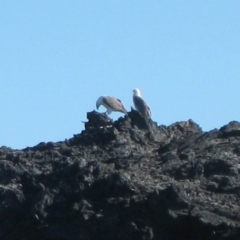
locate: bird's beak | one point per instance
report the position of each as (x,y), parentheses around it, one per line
(97,106)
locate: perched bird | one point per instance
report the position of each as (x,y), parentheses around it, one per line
(111,103)
(141,106)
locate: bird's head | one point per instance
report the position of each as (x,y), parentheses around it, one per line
(99,102)
(136,92)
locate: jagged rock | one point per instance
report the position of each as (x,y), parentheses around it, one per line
(231,129)
(124,179)
(97,120)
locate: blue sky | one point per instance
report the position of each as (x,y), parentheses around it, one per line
(57,57)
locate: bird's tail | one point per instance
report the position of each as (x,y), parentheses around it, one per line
(125,111)
(150,129)
(148,121)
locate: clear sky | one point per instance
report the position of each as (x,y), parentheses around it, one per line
(57,57)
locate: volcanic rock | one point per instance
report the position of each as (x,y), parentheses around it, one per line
(126,180)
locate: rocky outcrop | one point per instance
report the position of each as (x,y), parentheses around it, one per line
(124,180)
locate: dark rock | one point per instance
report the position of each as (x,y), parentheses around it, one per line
(97,120)
(231,129)
(124,179)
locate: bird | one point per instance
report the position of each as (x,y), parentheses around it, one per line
(112,104)
(141,106)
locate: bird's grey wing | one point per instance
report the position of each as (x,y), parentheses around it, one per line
(109,101)
(121,105)
(114,103)
(149,112)
(142,106)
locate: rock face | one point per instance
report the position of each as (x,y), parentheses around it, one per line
(124,180)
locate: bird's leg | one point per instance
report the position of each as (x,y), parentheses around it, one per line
(107,113)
